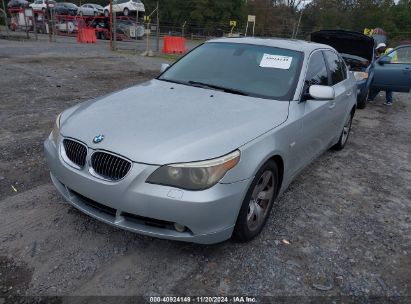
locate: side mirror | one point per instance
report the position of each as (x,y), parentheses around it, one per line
(384,60)
(320,92)
(164,67)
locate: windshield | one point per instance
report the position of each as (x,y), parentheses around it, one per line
(253,70)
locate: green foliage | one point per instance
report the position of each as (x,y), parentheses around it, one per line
(356,15)
(199,12)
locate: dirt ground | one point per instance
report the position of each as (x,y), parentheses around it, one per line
(347,216)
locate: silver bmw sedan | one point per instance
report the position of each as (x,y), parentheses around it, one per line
(201,153)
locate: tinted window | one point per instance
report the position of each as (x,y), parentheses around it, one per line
(336,67)
(401,55)
(256,70)
(316,71)
(343,67)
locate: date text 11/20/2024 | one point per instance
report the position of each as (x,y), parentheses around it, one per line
(233,299)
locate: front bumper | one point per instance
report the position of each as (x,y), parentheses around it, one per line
(148,209)
(362,88)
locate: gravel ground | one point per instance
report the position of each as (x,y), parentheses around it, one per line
(346,217)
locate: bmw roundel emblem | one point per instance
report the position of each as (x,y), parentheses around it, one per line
(98,139)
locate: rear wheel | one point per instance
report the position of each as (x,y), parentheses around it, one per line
(362,100)
(257,204)
(344,134)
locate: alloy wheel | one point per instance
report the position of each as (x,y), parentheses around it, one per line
(346,130)
(261,200)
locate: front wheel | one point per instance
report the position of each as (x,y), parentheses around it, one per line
(344,134)
(106,13)
(125,12)
(257,204)
(362,100)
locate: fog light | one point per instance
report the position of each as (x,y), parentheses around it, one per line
(179,227)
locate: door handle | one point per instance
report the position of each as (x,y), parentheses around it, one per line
(349,93)
(332,105)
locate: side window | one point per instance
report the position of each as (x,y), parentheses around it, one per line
(343,67)
(316,71)
(401,55)
(334,64)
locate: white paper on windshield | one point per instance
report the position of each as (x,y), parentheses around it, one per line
(276,62)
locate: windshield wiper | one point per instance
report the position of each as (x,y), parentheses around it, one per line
(216,87)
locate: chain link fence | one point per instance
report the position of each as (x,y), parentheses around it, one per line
(132,32)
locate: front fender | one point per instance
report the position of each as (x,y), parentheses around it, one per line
(257,152)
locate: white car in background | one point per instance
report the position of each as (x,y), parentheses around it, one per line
(125,7)
(90,9)
(41,5)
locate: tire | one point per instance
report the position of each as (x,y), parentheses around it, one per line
(250,220)
(362,101)
(95,14)
(345,134)
(106,13)
(125,12)
(81,14)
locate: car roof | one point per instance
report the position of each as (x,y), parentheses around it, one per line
(291,44)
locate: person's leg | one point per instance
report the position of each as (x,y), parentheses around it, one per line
(373,94)
(389,96)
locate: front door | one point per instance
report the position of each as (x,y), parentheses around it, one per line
(313,116)
(393,71)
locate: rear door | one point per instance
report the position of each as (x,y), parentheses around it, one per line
(393,71)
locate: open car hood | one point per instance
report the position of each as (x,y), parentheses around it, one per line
(352,43)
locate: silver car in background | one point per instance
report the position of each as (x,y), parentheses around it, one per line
(200,153)
(90,9)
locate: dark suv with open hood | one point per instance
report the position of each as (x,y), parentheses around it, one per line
(358,52)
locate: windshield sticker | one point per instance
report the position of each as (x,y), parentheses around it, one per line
(276,62)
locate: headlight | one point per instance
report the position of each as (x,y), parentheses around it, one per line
(360,75)
(197,175)
(56,130)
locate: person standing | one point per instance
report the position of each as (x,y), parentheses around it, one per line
(382,50)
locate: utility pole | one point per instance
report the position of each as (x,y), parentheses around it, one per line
(298,25)
(5,18)
(48,19)
(299,21)
(158,30)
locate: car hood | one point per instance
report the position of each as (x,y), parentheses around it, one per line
(347,42)
(162,123)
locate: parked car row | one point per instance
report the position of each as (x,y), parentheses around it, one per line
(125,7)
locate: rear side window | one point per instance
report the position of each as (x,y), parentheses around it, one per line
(343,67)
(337,68)
(316,71)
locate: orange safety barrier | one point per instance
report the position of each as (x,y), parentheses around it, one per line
(174,45)
(86,35)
